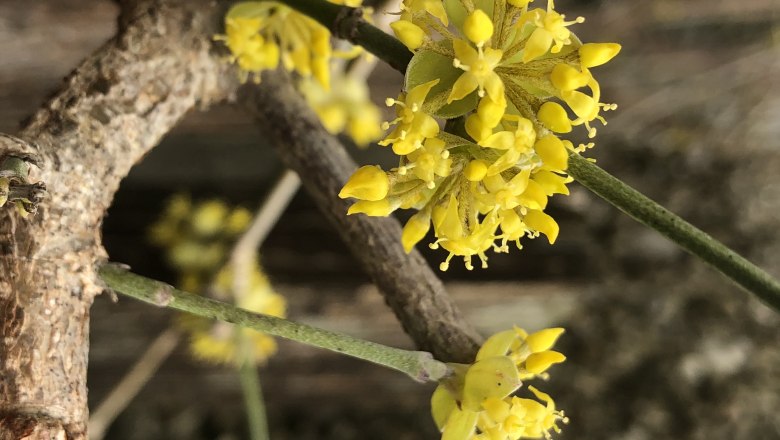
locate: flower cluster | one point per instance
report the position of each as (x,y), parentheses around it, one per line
(521,80)
(478,402)
(346,107)
(260,34)
(196,239)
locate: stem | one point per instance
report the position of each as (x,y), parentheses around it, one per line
(419,365)
(253,400)
(690,238)
(253,394)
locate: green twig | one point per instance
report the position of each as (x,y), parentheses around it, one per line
(692,239)
(419,365)
(253,401)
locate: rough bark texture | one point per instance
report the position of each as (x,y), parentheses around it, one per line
(410,287)
(112,109)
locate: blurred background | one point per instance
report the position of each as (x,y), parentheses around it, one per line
(658,345)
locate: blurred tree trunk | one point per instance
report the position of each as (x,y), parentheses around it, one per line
(111,110)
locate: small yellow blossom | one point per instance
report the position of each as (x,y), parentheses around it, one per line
(367,183)
(477,401)
(346,107)
(413,125)
(478,66)
(551,30)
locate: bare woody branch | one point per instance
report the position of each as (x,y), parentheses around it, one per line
(111,110)
(410,287)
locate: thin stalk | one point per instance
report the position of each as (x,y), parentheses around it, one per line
(419,365)
(694,240)
(144,368)
(253,393)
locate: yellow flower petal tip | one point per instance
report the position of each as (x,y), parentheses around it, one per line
(543,339)
(596,54)
(367,183)
(538,363)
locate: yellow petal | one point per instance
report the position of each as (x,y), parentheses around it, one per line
(450,225)
(494,86)
(596,54)
(442,405)
(379,208)
(367,183)
(491,112)
(489,377)
(543,339)
(534,197)
(541,222)
(415,229)
(503,140)
(496,409)
(464,86)
(583,105)
(538,44)
(411,35)
(497,345)
(552,152)
(554,117)
(436,8)
(538,363)
(505,162)
(460,425)
(476,128)
(417,95)
(551,182)
(566,78)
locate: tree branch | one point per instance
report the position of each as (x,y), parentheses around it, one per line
(410,287)
(111,110)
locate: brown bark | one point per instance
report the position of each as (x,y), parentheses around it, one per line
(408,284)
(112,109)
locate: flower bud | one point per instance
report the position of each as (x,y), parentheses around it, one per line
(367,183)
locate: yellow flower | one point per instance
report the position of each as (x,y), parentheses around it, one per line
(346,107)
(478,66)
(261,33)
(551,30)
(429,162)
(413,125)
(367,183)
(477,402)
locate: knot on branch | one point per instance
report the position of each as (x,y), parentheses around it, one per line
(346,24)
(17,157)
